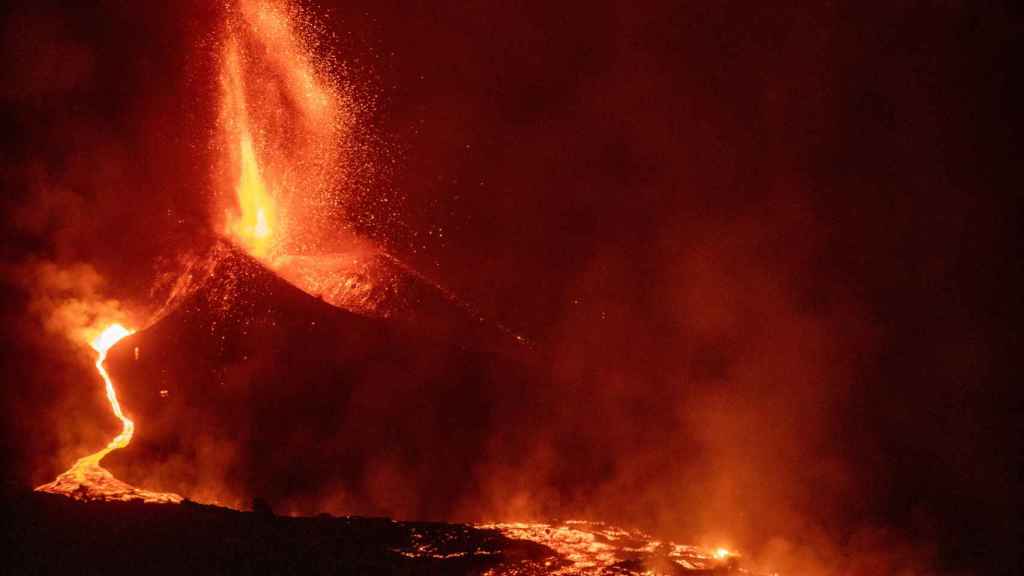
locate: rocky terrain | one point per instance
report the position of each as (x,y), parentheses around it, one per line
(50,534)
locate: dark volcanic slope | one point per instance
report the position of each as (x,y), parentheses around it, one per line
(251,387)
(50,534)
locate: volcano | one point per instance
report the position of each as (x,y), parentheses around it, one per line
(251,387)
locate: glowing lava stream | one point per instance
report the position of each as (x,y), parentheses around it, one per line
(86,479)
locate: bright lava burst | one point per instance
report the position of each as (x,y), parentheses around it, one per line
(255,220)
(86,479)
(281,119)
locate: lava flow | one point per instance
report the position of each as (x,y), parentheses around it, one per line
(87,479)
(597,548)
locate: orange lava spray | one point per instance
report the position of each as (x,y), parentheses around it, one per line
(281,119)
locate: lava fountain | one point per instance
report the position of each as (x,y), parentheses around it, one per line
(281,121)
(284,145)
(87,479)
(253,223)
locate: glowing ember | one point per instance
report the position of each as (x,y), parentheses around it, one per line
(86,479)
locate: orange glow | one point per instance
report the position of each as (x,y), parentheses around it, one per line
(86,479)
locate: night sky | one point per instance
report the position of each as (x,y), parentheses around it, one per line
(764,256)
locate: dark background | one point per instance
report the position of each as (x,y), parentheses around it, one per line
(767,254)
